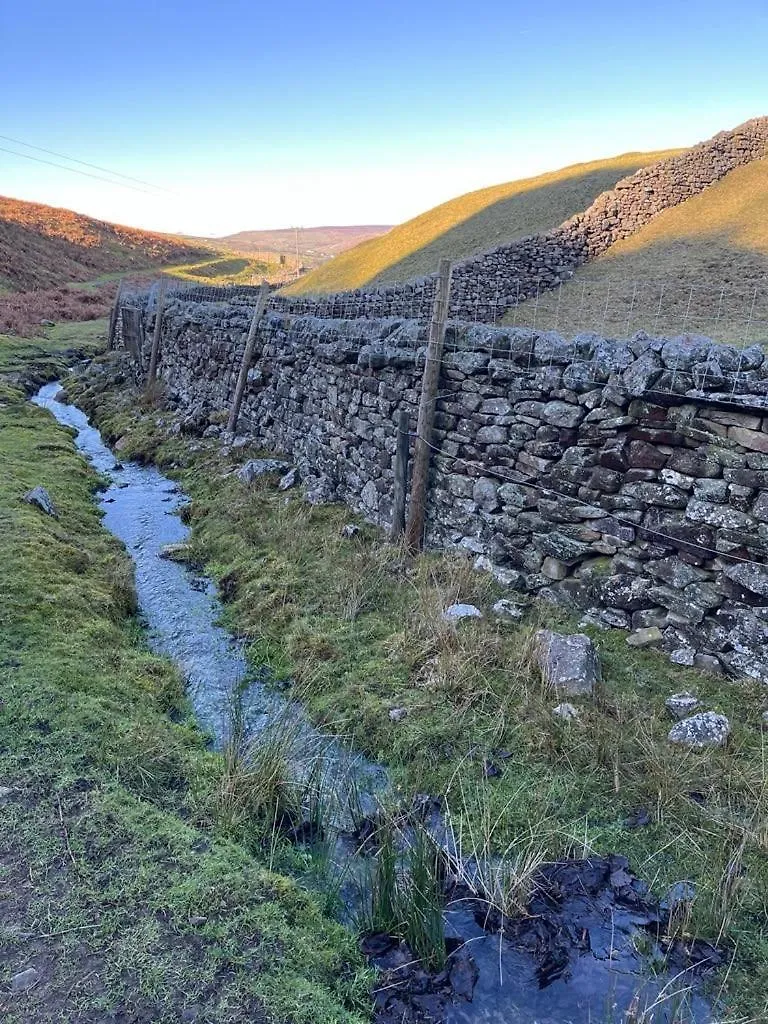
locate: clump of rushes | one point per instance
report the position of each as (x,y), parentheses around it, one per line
(406,886)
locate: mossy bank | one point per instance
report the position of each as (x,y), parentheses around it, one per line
(358,631)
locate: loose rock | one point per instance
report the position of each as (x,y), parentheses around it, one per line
(506,609)
(256,468)
(680,705)
(566,711)
(649,636)
(707,729)
(24,980)
(397,714)
(569,664)
(41,499)
(456,612)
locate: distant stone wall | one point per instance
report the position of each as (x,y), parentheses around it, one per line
(626,479)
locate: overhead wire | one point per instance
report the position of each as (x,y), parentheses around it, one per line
(84,163)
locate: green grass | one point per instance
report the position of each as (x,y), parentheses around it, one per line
(358,628)
(49,356)
(701,267)
(473,223)
(230,269)
(115,882)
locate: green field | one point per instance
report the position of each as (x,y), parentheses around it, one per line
(120,881)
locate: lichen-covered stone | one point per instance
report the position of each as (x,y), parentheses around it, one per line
(705,729)
(568,663)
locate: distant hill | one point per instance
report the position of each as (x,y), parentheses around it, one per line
(701,266)
(316,245)
(46,247)
(473,223)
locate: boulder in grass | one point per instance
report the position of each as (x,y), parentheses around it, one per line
(457,612)
(256,468)
(41,499)
(568,663)
(706,729)
(681,705)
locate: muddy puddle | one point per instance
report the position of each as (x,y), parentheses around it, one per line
(591,948)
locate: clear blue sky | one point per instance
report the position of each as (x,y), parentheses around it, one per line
(266,115)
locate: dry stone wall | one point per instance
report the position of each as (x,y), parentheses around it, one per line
(627,479)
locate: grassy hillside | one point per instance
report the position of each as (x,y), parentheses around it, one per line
(46,247)
(701,266)
(473,223)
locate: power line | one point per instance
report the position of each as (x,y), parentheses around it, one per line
(74,170)
(84,163)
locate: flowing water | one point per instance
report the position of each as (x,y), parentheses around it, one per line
(516,979)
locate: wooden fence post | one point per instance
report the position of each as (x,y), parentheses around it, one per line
(401,476)
(113,316)
(242,380)
(152,373)
(414,532)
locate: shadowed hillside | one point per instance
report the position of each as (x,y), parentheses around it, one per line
(473,223)
(45,247)
(701,266)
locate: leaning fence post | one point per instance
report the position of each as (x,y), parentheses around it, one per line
(152,373)
(113,316)
(414,531)
(401,476)
(250,343)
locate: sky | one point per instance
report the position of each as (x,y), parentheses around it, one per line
(243,115)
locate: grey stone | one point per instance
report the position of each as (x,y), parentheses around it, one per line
(569,663)
(561,414)
(705,729)
(683,656)
(397,714)
(41,499)
(485,494)
(288,481)
(753,578)
(506,609)
(24,980)
(256,468)
(648,636)
(681,705)
(350,530)
(176,552)
(566,711)
(457,612)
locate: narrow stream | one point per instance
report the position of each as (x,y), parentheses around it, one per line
(575,960)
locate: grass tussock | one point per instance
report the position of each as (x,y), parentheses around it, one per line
(356,630)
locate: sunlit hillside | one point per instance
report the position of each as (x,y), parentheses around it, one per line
(473,223)
(701,266)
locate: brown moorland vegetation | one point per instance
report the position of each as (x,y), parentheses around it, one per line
(43,247)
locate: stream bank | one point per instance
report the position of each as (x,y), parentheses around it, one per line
(122,902)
